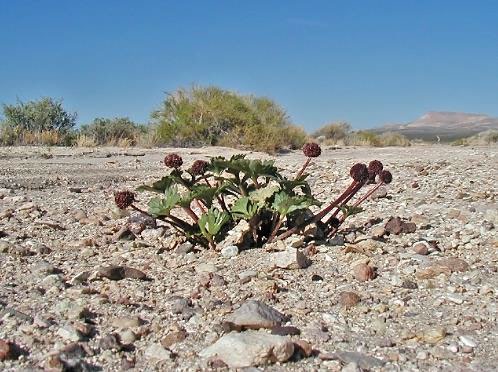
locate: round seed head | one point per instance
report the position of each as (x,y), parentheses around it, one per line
(173,161)
(375,167)
(124,199)
(371,176)
(312,150)
(386,176)
(199,167)
(359,172)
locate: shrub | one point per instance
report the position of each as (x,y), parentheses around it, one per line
(113,132)
(252,195)
(333,133)
(37,122)
(213,116)
(487,137)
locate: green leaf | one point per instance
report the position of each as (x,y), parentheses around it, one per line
(159,186)
(300,183)
(260,196)
(163,206)
(244,208)
(201,192)
(210,223)
(285,204)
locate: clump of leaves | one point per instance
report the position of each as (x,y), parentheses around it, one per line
(217,194)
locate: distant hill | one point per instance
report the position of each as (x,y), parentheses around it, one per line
(447,125)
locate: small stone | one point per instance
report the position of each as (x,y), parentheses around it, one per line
(230,251)
(378,231)
(184,248)
(292,258)
(127,322)
(69,333)
(205,267)
(433,335)
(467,341)
(348,299)
(363,272)
(8,350)
(285,331)
(454,264)
(251,348)
(457,299)
(157,352)
(421,248)
(127,336)
(336,240)
(422,355)
(174,337)
(362,360)
(109,342)
(397,226)
(121,272)
(255,314)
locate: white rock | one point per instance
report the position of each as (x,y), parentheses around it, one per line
(292,258)
(157,352)
(230,251)
(467,341)
(251,348)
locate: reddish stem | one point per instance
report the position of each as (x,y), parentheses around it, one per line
(320,214)
(305,165)
(357,203)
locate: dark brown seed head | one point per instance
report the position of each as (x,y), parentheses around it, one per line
(199,167)
(359,172)
(312,150)
(371,176)
(124,199)
(173,161)
(386,176)
(375,167)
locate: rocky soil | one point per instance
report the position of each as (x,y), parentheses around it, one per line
(79,292)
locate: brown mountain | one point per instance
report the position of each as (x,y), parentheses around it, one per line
(447,126)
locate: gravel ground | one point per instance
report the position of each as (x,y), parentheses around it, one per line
(432,305)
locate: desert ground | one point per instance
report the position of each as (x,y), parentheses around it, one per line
(432,307)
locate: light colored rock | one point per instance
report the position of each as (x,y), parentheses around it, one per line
(291,258)
(157,352)
(251,348)
(255,314)
(467,341)
(230,251)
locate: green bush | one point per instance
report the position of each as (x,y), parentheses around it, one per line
(212,116)
(333,133)
(34,122)
(113,131)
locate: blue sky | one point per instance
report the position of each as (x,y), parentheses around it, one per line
(366,62)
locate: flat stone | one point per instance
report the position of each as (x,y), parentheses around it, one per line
(255,314)
(362,360)
(127,322)
(121,272)
(251,348)
(157,352)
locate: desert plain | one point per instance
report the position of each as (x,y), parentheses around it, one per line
(79,292)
